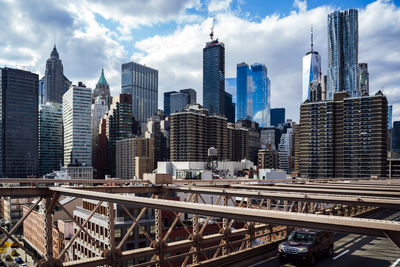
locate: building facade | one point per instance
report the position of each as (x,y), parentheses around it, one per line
(134,156)
(268,159)
(343,69)
(229,108)
(77,125)
(18,123)
(51,146)
(141,82)
(214,77)
(364,79)
(277,116)
(119,126)
(54,84)
(344,138)
(102,90)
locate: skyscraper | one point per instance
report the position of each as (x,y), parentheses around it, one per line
(364,79)
(50,137)
(141,82)
(77,125)
(119,125)
(176,101)
(229,108)
(311,70)
(98,110)
(54,84)
(390,116)
(214,77)
(343,70)
(253,93)
(18,123)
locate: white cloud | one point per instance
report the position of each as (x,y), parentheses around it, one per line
(218,5)
(300,5)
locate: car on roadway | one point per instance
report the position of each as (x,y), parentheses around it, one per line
(306,245)
(19,260)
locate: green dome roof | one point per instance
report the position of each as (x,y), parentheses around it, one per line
(102,79)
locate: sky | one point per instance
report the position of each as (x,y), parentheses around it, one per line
(170,35)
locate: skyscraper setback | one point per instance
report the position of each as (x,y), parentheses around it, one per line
(311,70)
(343,69)
(54,84)
(141,82)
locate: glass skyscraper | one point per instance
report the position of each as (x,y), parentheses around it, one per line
(18,123)
(253,93)
(142,83)
(311,71)
(214,77)
(50,138)
(343,70)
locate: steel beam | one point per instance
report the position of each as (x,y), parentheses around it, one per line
(24,192)
(318,190)
(343,186)
(331,223)
(393,203)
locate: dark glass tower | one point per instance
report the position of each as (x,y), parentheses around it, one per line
(54,84)
(141,82)
(18,123)
(214,77)
(277,116)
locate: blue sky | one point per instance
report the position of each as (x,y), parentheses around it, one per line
(170,35)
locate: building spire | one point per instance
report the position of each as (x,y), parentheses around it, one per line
(312,44)
(212,29)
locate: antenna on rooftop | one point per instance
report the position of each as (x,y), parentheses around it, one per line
(212,29)
(312,44)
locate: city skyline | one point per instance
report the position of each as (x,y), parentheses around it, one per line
(89,40)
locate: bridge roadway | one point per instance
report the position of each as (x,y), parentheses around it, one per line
(354,250)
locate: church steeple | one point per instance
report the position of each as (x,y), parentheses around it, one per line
(102,80)
(54,53)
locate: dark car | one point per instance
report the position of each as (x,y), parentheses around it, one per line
(306,245)
(19,260)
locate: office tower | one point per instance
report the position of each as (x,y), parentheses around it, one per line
(176,101)
(19,123)
(152,129)
(242,74)
(390,116)
(311,71)
(192,95)
(188,134)
(54,84)
(77,125)
(364,79)
(217,135)
(119,126)
(343,67)
(268,159)
(344,138)
(134,156)
(253,139)
(253,93)
(277,116)
(269,138)
(98,110)
(229,108)
(214,77)
(102,89)
(141,82)
(100,161)
(167,102)
(285,148)
(323,87)
(51,147)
